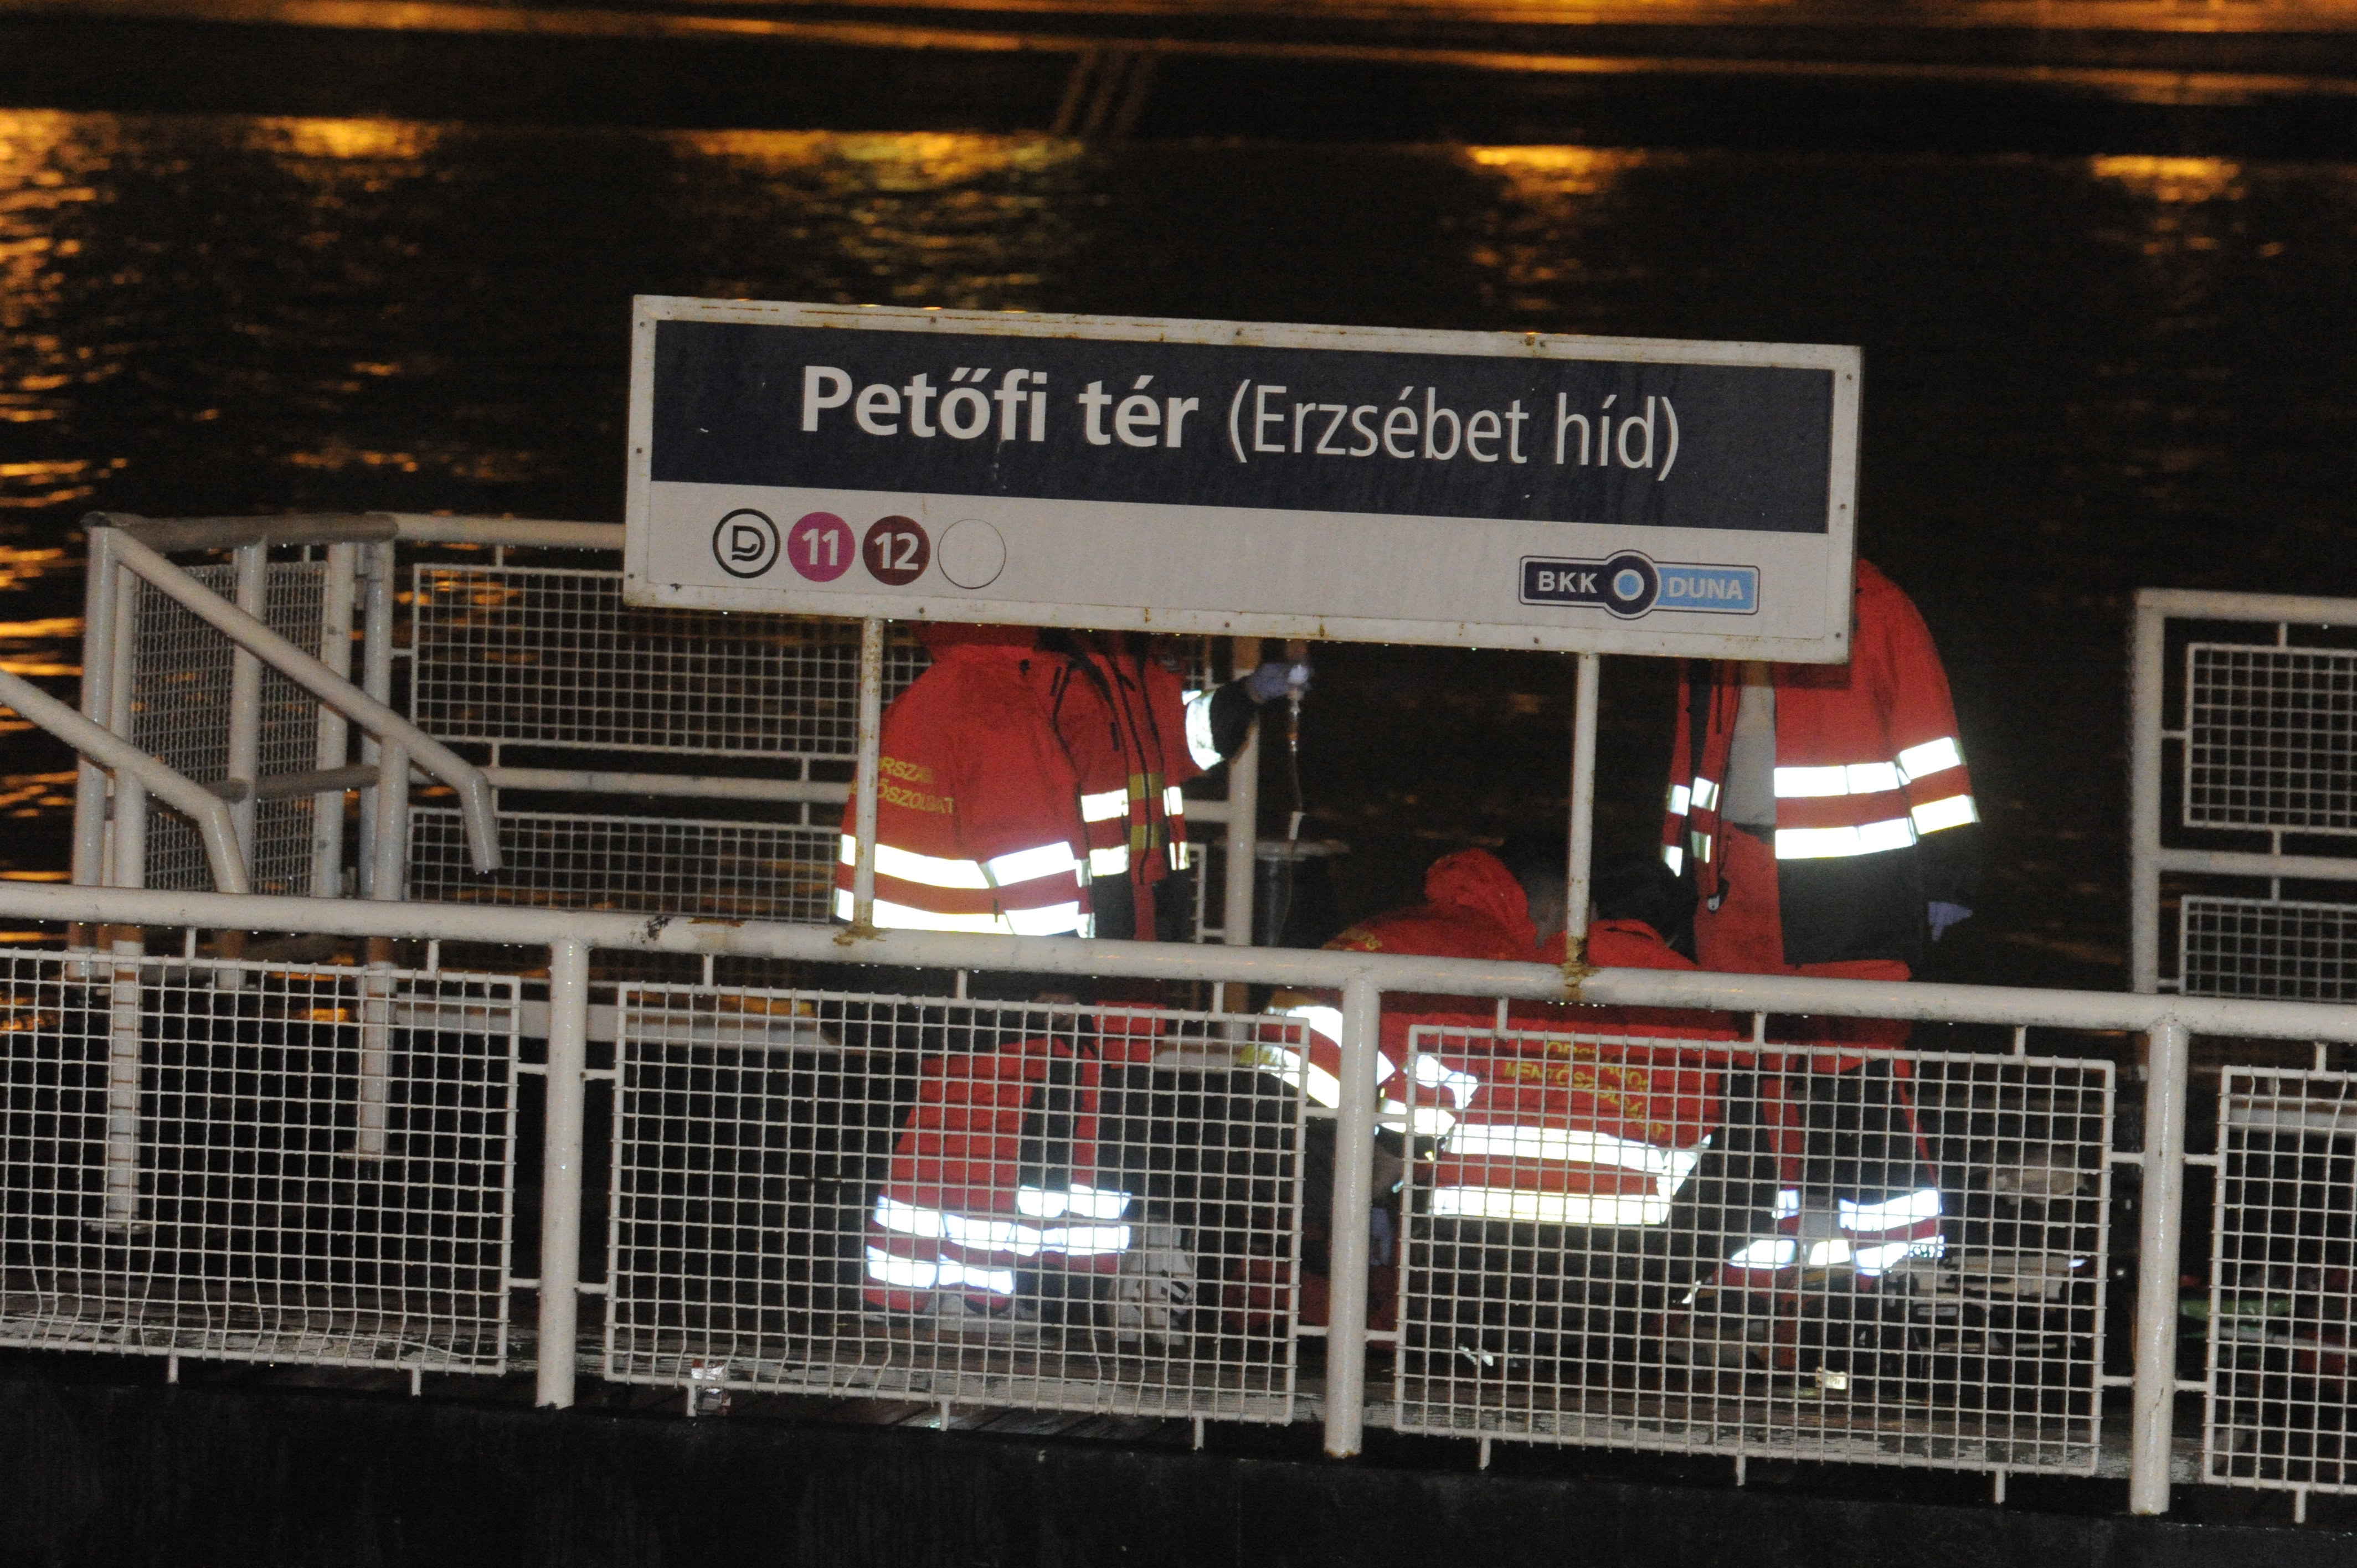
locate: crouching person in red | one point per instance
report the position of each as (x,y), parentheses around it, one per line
(999,1199)
(1476,905)
(1578,1172)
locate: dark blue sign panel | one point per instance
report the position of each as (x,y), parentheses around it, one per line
(1458,487)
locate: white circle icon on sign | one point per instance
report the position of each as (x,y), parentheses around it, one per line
(971,554)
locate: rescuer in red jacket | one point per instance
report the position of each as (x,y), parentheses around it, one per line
(1822,814)
(977,819)
(1135,736)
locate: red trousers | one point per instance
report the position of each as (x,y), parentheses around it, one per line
(1745,934)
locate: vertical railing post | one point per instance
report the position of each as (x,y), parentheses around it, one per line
(1355,1181)
(2147,647)
(97,687)
(376,680)
(335,730)
(1243,817)
(871,744)
(245,697)
(389,810)
(560,1195)
(2160,1231)
(126,862)
(1578,873)
(376,1061)
(122,1063)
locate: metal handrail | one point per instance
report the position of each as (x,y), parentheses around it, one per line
(248,632)
(204,806)
(1363,978)
(2148,858)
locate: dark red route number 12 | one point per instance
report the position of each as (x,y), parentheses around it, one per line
(895,551)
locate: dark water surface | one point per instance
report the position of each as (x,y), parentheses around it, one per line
(2083,376)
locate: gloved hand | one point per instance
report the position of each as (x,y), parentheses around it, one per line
(1944,916)
(1278,678)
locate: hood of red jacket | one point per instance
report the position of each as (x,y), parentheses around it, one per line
(1477,880)
(940,637)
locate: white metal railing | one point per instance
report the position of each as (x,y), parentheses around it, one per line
(2169,1023)
(540,670)
(2264,776)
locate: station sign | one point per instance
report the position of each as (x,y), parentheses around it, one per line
(1492,489)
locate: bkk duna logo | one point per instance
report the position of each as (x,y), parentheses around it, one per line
(1632,584)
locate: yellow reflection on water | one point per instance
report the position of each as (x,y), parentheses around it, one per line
(1557,171)
(1530,240)
(912,160)
(918,217)
(2175,180)
(399,141)
(52,167)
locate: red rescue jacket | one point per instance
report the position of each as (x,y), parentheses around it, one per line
(1873,798)
(1586,1131)
(1474,908)
(977,818)
(996,1171)
(1122,715)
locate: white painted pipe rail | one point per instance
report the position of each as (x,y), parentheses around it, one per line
(388,728)
(208,810)
(1579,874)
(1291,967)
(679,786)
(2148,736)
(1363,978)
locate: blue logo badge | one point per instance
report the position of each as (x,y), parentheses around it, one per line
(1629,584)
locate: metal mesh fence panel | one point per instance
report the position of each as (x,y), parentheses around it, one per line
(255,1161)
(765,870)
(2264,948)
(2282,1297)
(539,655)
(180,711)
(2271,738)
(897,1198)
(1880,1257)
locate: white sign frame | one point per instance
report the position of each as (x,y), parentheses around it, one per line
(1822,637)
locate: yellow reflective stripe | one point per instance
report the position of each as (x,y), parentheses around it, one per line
(1706,793)
(1109,861)
(900,916)
(1832,844)
(1801,783)
(1088,1202)
(1931,757)
(1570,1145)
(850,854)
(1104,806)
(1681,799)
(1051,920)
(1846,779)
(1515,1206)
(929,870)
(1675,858)
(1954,812)
(1174,803)
(1024,865)
(916,1273)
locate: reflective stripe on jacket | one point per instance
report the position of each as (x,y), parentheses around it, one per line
(1124,720)
(1601,1132)
(1869,766)
(1474,908)
(995,1174)
(977,818)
